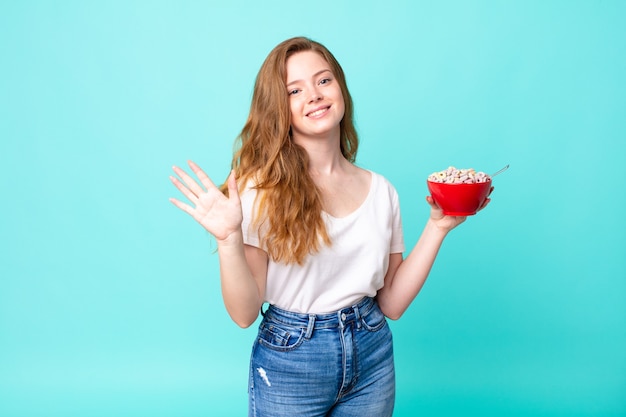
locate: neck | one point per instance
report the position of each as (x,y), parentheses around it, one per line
(325,155)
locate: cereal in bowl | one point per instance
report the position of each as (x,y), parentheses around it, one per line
(453,175)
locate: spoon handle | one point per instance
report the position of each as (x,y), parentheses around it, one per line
(500,171)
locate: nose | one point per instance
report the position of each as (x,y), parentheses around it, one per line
(316,95)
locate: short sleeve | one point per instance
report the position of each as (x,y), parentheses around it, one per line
(250,232)
(397,234)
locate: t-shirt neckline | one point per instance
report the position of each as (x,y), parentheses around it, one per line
(357,210)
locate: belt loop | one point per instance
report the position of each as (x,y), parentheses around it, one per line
(310,326)
(357,315)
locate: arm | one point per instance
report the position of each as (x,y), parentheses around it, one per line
(243,272)
(405,278)
(243,268)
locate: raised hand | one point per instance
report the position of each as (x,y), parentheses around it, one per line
(219,215)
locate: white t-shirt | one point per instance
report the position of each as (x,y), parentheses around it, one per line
(353,266)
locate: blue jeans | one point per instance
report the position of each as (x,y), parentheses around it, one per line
(338,364)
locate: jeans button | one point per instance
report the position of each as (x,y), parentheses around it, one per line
(343,316)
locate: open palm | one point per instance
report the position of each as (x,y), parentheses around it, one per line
(219,215)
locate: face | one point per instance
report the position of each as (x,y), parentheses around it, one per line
(315,98)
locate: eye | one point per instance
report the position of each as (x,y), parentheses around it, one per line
(325,81)
(293,92)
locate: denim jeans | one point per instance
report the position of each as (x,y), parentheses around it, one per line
(338,364)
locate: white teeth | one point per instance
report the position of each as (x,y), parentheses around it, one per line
(317,112)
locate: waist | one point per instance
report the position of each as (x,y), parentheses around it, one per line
(325,320)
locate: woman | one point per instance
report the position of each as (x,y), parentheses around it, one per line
(299,226)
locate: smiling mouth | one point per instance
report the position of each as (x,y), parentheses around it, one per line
(318,112)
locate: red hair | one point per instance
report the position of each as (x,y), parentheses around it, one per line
(288,199)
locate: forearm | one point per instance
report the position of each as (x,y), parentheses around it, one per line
(240,290)
(403,284)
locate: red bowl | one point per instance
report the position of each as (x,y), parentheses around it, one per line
(459,199)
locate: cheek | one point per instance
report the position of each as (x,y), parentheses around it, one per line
(294,107)
(294,116)
(341,104)
(342,108)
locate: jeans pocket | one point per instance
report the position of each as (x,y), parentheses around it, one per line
(280,337)
(374,319)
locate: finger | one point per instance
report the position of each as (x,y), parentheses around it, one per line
(202,176)
(184,207)
(181,187)
(431,201)
(233,190)
(191,184)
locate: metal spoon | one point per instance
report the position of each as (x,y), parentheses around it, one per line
(500,171)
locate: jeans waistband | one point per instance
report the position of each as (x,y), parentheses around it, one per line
(312,322)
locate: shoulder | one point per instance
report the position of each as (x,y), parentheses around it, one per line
(384,192)
(248,190)
(248,195)
(382,182)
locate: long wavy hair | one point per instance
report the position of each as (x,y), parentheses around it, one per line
(289,204)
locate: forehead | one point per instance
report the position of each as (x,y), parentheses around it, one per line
(305,64)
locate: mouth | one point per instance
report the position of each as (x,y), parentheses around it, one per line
(318,112)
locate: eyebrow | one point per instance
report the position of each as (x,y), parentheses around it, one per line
(314,75)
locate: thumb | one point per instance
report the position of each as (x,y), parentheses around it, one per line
(233,190)
(431,202)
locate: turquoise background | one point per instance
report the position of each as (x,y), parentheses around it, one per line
(109,297)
